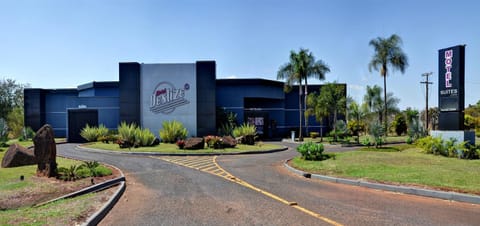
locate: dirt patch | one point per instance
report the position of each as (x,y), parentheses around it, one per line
(130,205)
(42,189)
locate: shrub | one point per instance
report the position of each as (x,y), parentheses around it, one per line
(449,148)
(181,144)
(90,167)
(311,151)
(126,133)
(340,131)
(70,174)
(431,145)
(143,137)
(3,132)
(376,131)
(27,134)
(366,141)
(246,132)
(102,131)
(214,142)
(409,140)
(314,134)
(172,131)
(89,133)
(92,134)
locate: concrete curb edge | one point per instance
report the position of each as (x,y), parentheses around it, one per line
(454,196)
(100,214)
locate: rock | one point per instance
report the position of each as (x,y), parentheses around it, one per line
(195,143)
(248,140)
(17,155)
(45,151)
(229,142)
(156,142)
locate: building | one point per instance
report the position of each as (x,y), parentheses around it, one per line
(148,94)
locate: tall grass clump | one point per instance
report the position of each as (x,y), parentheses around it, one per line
(172,131)
(144,137)
(126,132)
(92,134)
(89,133)
(246,133)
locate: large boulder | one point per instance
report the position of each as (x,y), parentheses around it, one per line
(45,151)
(17,155)
(229,142)
(195,143)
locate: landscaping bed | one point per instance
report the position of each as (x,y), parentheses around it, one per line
(17,196)
(399,166)
(173,148)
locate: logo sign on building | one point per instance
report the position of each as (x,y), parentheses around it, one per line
(166,98)
(167,93)
(451,78)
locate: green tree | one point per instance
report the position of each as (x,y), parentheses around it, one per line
(388,53)
(399,124)
(332,98)
(411,115)
(356,116)
(15,122)
(11,96)
(301,65)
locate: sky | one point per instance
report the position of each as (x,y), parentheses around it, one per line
(63,44)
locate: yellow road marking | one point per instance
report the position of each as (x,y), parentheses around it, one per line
(212,167)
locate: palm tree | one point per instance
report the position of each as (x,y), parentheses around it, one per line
(330,99)
(301,65)
(373,99)
(388,53)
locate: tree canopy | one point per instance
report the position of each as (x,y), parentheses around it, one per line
(301,65)
(387,54)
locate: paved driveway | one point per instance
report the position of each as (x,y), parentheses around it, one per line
(165,193)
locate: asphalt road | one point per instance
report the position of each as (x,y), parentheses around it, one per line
(162,193)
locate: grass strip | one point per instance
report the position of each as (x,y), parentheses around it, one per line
(408,167)
(173,149)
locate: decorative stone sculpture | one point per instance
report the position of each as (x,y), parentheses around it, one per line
(17,155)
(45,151)
(195,143)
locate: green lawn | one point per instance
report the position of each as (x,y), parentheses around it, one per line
(352,140)
(63,212)
(9,177)
(173,149)
(408,167)
(30,142)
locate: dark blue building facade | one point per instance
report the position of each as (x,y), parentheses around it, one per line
(255,101)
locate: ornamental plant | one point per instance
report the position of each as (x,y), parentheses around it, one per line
(311,151)
(172,131)
(143,137)
(214,142)
(246,132)
(181,144)
(92,134)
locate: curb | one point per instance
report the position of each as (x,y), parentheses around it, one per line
(454,196)
(180,154)
(100,214)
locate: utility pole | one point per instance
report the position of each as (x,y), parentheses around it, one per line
(426,82)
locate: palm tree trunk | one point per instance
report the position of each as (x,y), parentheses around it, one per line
(300,137)
(335,124)
(385,104)
(305,106)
